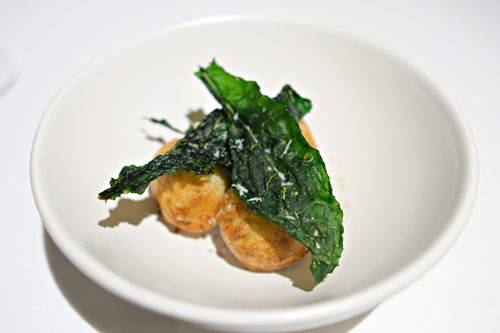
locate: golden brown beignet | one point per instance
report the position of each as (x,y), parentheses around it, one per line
(306,132)
(258,243)
(188,201)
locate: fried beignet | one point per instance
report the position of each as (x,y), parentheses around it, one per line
(191,203)
(259,244)
(306,132)
(188,201)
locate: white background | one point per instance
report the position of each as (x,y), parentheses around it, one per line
(457,42)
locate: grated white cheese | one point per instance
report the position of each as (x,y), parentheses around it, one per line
(267,151)
(286,148)
(318,246)
(290,217)
(217,154)
(255,199)
(241,189)
(238,144)
(283,180)
(236,115)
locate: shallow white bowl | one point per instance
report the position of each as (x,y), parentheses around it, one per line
(401,157)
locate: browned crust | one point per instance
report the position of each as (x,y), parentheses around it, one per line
(258,243)
(188,201)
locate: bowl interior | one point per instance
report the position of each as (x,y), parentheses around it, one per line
(391,150)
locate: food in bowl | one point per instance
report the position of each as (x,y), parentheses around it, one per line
(280,203)
(188,201)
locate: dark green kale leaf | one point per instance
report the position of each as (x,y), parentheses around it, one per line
(165,123)
(296,105)
(202,148)
(275,171)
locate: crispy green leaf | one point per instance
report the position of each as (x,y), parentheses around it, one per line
(199,151)
(165,123)
(275,171)
(296,105)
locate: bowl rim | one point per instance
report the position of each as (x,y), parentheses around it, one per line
(327,311)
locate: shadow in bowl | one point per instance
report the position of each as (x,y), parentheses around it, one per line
(222,250)
(175,230)
(109,313)
(300,274)
(134,212)
(130,211)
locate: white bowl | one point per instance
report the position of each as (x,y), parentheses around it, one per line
(401,157)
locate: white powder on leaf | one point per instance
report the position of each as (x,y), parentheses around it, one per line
(241,189)
(238,144)
(286,148)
